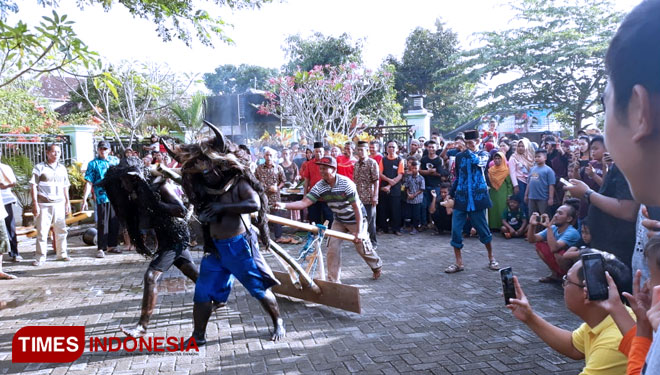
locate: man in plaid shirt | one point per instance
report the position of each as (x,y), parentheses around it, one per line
(366,177)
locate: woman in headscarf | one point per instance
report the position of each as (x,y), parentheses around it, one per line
(501,187)
(520,163)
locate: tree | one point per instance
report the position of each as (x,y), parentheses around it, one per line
(54,45)
(231,79)
(191,116)
(23,113)
(323,99)
(305,54)
(554,62)
(124,95)
(423,69)
(180,19)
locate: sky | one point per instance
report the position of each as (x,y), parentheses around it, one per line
(259,33)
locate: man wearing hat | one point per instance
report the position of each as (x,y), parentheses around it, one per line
(340,193)
(471,200)
(319,211)
(107,225)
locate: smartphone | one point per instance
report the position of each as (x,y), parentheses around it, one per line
(593,267)
(506,274)
(654,212)
(565,182)
(583,163)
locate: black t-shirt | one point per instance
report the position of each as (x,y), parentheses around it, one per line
(608,233)
(433,181)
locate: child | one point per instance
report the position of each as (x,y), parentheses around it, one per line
(441,210)
(414,184)
(514,220)
(540,191)
(572,255)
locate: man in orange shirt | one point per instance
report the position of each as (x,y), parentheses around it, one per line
(346,162)
(319,211)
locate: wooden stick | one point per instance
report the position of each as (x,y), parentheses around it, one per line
(309,227)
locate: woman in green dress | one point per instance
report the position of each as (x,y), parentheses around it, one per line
(500,189)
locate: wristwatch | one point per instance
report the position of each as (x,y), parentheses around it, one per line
(587,195)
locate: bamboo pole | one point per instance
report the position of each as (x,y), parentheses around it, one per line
(309,227)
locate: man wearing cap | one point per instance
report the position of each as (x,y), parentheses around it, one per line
(107,225)
(341,195)
(471,200)
(319,211)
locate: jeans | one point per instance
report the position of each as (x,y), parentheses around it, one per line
(479,222)
(415,214)
(426,218)
(371,223)
(11,229)
(319,212)
(522,187)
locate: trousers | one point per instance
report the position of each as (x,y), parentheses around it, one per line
(51,215)
(364,249)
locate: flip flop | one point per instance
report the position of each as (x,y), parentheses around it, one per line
(454,268)
(6,276)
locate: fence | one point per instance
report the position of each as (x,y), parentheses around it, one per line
(399,133)
(34,146)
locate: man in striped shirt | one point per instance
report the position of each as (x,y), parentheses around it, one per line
(50,197)
(340,193)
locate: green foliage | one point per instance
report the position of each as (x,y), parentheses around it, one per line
(555,61)
(381,103)
(304,54)
(77,180)
(231,79)
(191,116)
(48,47)
(22,167)
(181,19)
(23,113)
(423,69)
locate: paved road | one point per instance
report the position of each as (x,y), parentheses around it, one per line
(415,319)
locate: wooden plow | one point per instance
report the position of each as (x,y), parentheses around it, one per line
(298,283)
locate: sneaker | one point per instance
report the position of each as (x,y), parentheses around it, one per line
(38,262)
(100,254)
(413,231)
(17,258)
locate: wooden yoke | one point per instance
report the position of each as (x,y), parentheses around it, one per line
(309,227)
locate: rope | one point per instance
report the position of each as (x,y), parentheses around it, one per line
(311,245)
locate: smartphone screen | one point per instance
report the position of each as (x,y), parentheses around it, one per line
(654,212)
(583,163)
(594,275)
(506,274)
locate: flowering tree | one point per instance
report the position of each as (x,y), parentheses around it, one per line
(324,99)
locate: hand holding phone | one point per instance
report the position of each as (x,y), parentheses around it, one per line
(565,182)
(506,274)
(545,220)
(534,219)
(593,267)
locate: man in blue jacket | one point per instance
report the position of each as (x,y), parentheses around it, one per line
(471,200)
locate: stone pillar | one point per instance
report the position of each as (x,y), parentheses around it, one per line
(82,142)
(418,117)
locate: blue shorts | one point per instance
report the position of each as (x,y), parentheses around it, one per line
(218,270)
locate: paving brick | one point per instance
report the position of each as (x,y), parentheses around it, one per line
(415,319)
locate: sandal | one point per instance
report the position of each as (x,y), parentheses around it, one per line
(6,276)
(454,268)
(377,272)
(493,265)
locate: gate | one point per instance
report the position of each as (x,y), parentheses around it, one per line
(34,146)
(399,133)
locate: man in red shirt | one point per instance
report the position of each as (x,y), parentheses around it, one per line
(346,162)
(374,151)
(319,211)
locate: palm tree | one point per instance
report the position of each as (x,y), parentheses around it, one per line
(192,116)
